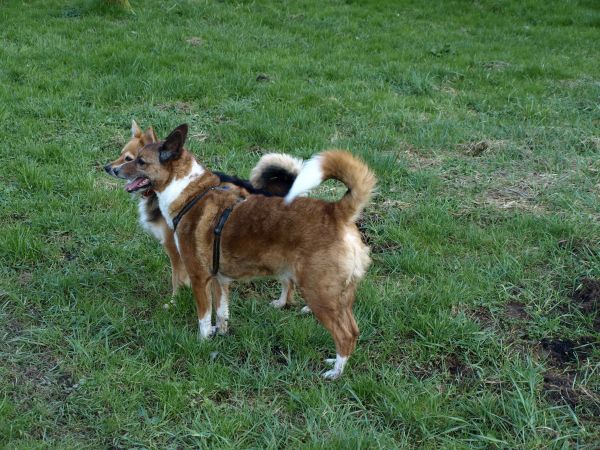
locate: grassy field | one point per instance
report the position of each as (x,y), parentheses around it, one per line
(479,316)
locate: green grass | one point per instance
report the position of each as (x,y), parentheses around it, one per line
(477,249)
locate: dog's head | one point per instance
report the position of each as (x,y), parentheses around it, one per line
(130,152)
(158,163)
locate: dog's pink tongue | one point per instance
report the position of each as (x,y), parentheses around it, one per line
(136,184)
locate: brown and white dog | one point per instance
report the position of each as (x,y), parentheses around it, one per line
(314,242)
(273,175)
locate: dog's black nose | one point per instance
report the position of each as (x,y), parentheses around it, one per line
(116,171)
(107,168)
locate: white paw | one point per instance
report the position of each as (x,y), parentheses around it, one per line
(222,327)
(332,374)
(338,367)
(305,310)
(278,304)
(206,333)
(330,361)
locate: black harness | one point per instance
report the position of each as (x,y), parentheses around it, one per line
(189,205)
(218,229)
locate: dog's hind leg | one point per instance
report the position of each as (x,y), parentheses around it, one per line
(287,294)
(335,313)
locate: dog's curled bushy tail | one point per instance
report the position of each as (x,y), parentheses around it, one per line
(341,166)
(275,173)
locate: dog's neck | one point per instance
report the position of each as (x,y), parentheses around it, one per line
(180,190)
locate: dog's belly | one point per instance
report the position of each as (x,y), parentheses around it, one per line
(246,269)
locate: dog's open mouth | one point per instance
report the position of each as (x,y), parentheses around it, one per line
(137,184)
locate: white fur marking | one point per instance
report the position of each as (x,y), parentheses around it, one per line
(223,309)
(305,310)
(309,177)
(223,279)
(174,190)
(286,162)
(155,230)
(357,259)
(177,243)
(338,367)
(205,328)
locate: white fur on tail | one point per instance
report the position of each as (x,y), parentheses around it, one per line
(342,166)
(309,177)
(285,162)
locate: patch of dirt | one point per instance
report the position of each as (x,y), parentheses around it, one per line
(521,196)
(565,351)
(483,316)
(477,148)
(221,395)
(456,367)
(560,388)
(263,78)
(195,41)
(516,310)
(587,295)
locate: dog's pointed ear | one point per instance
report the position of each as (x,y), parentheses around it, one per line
(136,131)
(173,145)
(150,136)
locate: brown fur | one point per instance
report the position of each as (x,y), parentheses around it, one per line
(149,208)
(315,241)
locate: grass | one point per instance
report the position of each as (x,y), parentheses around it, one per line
(481,120)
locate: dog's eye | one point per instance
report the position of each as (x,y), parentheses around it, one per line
(141,162)
(128,158)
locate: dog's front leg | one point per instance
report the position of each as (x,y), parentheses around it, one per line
(201,286)
(179,275)
(222,305)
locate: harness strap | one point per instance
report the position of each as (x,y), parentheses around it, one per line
(189,206)
(218,229)
(217,242)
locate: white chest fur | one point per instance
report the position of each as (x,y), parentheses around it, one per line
(154,228)
(174,190)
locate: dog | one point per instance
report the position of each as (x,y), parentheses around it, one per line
(273,175)
(224,236)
